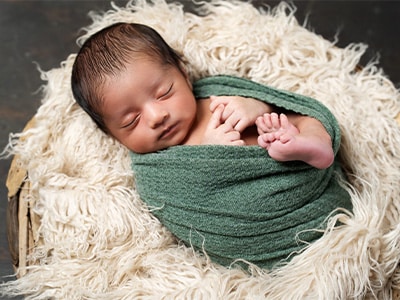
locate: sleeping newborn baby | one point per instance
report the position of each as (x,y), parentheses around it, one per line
(229,166)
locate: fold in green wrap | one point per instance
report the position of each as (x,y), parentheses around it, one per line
(236,202)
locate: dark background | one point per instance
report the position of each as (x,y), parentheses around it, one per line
(44,32)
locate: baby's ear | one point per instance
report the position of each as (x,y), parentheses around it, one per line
(185,73)
(182,68)
(189,82)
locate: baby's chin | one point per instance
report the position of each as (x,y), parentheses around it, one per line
(139,150)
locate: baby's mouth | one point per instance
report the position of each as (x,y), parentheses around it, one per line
(168,131)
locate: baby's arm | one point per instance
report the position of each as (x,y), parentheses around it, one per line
(240,112)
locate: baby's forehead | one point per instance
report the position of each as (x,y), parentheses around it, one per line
(145,70)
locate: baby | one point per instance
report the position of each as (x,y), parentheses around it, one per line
(197,158)
(135,88)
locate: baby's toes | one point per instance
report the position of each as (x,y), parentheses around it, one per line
(286,137)
(264,140)
(284,121)
(275,121)
(263,124)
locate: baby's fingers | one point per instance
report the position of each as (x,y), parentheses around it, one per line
(216,101)
(238,143)
(234,138)
(215,120)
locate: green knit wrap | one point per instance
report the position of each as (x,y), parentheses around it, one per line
(236,202)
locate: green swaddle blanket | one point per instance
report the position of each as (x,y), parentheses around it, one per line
(236,202)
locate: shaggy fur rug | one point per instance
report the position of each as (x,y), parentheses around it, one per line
(97,240)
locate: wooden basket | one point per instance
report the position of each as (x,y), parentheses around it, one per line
(22,222)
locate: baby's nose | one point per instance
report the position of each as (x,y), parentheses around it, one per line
(156,115)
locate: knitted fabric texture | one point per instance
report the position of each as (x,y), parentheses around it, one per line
(237,203)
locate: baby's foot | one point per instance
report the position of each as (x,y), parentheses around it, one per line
(284,142)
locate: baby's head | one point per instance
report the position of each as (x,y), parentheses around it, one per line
(106,54)
(134,87)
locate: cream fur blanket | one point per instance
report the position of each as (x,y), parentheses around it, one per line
(98,241)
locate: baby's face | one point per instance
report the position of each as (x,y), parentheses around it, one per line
(148,107)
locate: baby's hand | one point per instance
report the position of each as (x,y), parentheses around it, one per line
(239,112)
(220,133)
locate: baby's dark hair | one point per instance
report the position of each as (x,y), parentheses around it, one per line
(106,54)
